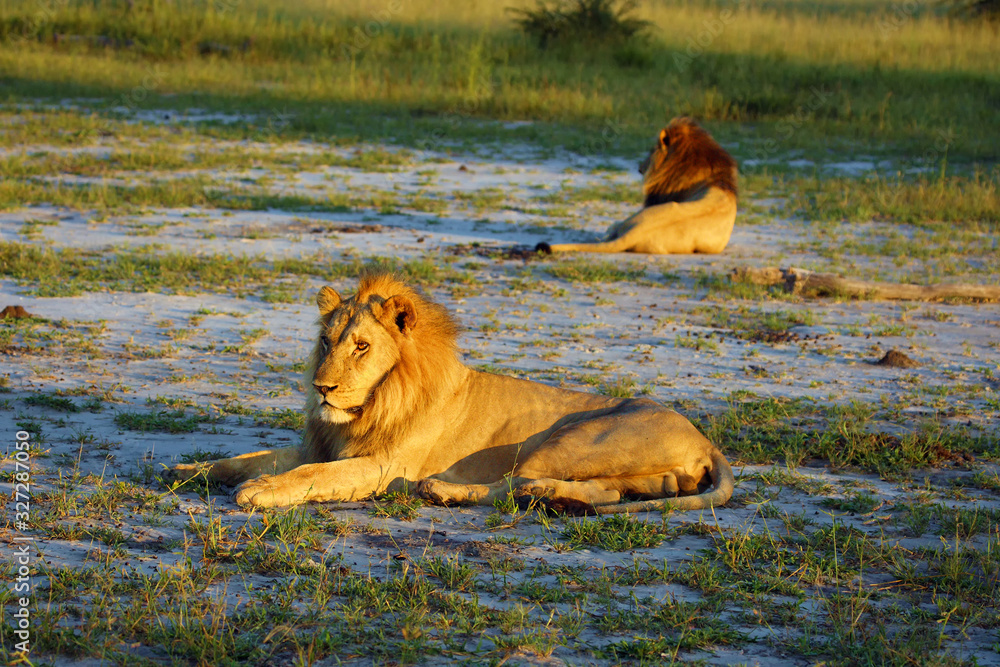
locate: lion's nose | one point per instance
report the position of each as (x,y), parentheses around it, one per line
(324,389)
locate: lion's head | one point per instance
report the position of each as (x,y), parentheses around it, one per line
(684,161)
(357,351)
(378,355)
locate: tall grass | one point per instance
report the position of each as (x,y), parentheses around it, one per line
(798,71)
(923,200)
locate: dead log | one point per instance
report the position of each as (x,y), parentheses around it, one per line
(807,283)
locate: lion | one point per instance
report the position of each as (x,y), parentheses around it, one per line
(689,185)
(392,408)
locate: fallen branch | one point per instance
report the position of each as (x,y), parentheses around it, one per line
(807,283)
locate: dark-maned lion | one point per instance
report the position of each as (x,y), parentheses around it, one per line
(391,407)
(689,185)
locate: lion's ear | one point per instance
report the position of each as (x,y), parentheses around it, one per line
(327,300)
(399,312)
(664,139)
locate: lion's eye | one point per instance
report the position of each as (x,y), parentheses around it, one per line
(325,342)
(362,346)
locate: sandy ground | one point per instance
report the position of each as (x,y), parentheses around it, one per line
(539,326)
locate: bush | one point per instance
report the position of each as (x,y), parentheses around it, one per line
(976,9)
(591,21)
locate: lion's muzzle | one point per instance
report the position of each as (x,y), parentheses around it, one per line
(327,401)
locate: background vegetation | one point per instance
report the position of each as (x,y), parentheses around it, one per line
(769,75)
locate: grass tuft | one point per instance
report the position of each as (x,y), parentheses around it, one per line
(60,403)
(397,505)
(968,201)
(590,271)
(618,532)
(170,421)
(70,272)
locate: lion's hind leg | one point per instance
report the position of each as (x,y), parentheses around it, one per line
(584,496)
(552,491)
(559,495)
(570,497)
(238,469)
(573,497)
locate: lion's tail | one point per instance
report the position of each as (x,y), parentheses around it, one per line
(723,484)
(620,244)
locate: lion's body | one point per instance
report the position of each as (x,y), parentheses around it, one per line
(394,409)
(689,190)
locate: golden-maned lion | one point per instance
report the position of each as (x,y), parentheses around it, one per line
(391,407)
(689,185)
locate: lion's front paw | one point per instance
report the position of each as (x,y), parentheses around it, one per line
(263,491)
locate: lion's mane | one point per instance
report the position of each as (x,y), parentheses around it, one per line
(685,161)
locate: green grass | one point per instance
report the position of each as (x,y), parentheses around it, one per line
(940,201)
(622,193)
(202,455)
(38,336)
(135,158)
(809,578)
(620,387)
(454,573)
(860,503)
(766,430)
(746,322)
(174,193)
(59,403)
(373,160)
(47,271)
(272,418)
(618,532)
(587,270)
(934,201)
(169,421)
(696,343)
(397,505)
(69,272)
